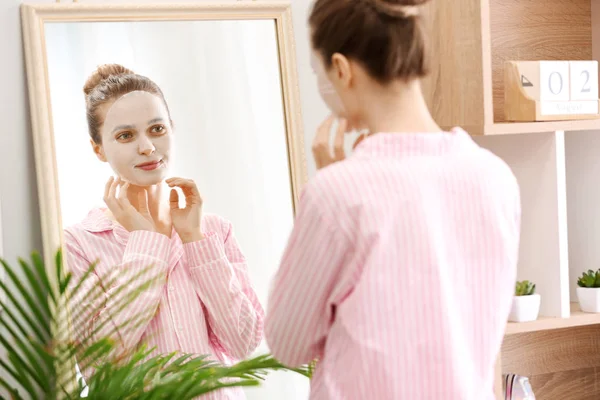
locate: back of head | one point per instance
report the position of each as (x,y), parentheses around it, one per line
(106,85)
(386,36)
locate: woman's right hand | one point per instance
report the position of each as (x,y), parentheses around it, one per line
(126,214)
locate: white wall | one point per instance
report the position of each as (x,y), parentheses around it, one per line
(18,189)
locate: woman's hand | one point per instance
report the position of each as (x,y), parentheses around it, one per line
(321,148)
(186,221)
(322,152)
(126,214)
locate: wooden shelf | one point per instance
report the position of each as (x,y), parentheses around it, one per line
(507,128)
(465,86)
(513,128)
(577,318)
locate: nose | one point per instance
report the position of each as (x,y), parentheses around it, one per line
(145,146)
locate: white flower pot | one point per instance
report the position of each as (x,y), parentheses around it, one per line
(525,308)
(589,299)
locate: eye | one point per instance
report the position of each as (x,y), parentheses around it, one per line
(124,136)
(158,129)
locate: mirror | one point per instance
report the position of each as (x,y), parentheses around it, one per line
(228,77)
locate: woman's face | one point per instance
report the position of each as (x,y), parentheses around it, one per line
(338,87)
(326,89)
(136,138)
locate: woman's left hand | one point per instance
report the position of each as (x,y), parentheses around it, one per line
(323,152)
(321,148)
(186,221)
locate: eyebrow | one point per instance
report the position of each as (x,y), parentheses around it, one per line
(152,121)
(120,127)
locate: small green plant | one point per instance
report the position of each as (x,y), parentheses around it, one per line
(524,288)
(589,279)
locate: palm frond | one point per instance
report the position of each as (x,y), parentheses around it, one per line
(39,342)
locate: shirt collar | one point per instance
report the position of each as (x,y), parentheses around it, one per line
(98,221)
(392,145)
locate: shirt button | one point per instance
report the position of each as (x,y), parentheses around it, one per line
(171,287)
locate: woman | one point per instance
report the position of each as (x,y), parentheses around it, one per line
(199,299)
(399,273)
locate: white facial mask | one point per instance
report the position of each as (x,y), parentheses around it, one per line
(326,89)
(136,138)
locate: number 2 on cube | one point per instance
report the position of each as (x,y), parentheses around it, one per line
(584,80)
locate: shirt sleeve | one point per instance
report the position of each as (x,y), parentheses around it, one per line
(120,305)
(220,274)
(311,281)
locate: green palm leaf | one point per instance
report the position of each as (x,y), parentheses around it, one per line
(39,345)
(34,307)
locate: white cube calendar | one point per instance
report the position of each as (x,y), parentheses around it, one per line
(551,90)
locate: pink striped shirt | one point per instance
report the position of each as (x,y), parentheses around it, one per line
(400,271)
(202,303)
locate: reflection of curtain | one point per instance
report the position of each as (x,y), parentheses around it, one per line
(221,81)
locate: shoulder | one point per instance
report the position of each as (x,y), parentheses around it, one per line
(336,178)
(95,222)
(495,177)
(329,191)
(495,169)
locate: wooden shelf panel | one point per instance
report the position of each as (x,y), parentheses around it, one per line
(507,128)
(577,318)
(515,128)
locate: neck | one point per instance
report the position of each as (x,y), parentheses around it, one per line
(399,107)
(158,210)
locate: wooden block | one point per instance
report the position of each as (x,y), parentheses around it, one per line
(542,90)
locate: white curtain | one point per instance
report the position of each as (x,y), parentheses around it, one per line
(221,80)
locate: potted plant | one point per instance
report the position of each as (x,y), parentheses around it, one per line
(38,350)
(526,303)
(588,291)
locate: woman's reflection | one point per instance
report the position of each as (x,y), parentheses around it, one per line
(203,302)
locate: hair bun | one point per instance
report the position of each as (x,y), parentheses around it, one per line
(398,8)
(102,73)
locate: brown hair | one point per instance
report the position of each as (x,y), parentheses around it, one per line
(105,85)
(385,36)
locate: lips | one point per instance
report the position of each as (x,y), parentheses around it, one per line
(149,166)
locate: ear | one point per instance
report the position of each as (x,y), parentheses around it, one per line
(98,150)
(341,69)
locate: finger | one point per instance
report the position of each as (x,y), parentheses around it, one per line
(123,196)
(143,203)
(123,187)
(174,200)
(323,132)
(360,139)
(108,186)
(110,196)
(189,189)
(338,144)
(185,184)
